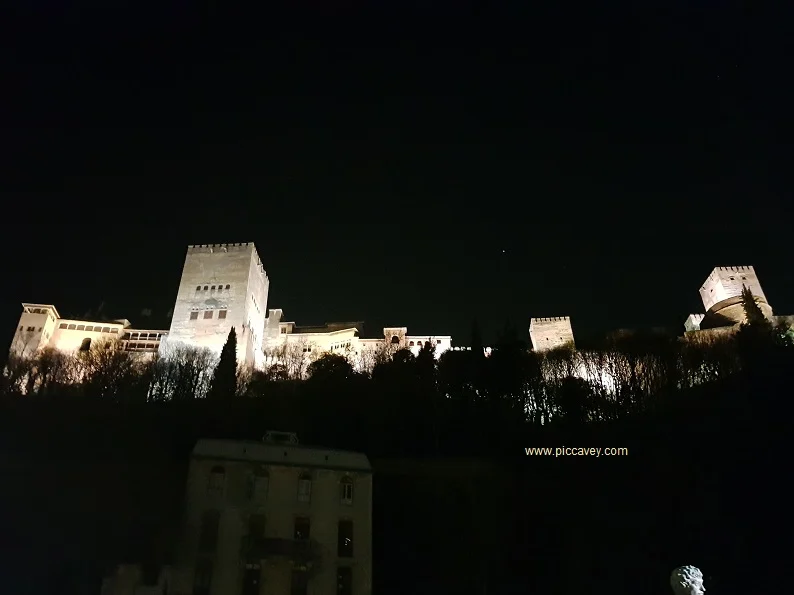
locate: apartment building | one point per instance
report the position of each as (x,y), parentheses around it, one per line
(275,517)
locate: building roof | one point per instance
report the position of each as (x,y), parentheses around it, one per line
(288,455)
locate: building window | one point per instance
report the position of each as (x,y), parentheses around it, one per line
(302,528)
(251,579)
(228,286)
(283,331)
(344,539)
(205,288)
(305,488)
(198,288)
(300,583)
(256,526)
(208,537)
(221,314)
(207,314)
(202,579)
(411,344)
(438,341)
(217,480)
(89,328)
(344,580)
(194,316)
(395,340)
(346,491)
(85,345)
(72,327)
(258,484)
(62,325)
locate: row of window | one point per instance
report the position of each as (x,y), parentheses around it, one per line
(212,289)
(208,314)
(252,577)
(419,343)
(259,485)
(301,531)
(143,336)
(89,328)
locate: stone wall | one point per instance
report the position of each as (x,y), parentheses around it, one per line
(550,333)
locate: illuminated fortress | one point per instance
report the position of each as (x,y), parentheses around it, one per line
(225,286)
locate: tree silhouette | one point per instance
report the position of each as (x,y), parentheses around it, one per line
(224,379)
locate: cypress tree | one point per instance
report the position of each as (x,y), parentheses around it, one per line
(224,378)
(752,311)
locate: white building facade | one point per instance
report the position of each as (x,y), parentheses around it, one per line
(275,517)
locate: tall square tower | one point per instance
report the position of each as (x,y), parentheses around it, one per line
(722,292)
(550,333)
(222,286)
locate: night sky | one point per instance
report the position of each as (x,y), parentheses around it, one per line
(422,165)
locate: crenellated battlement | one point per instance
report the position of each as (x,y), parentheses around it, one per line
(737,269)
(550,319)
(210,248)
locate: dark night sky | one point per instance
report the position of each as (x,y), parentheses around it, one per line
(421,165)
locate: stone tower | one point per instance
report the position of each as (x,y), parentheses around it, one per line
(550,333)
(222,286)
(722,293)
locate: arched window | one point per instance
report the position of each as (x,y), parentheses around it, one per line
(217,480)
(258,484)
(346,491)
(411,344)
(395,340)
(305,488)
(85,345)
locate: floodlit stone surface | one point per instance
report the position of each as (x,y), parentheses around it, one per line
(687,580)
(551,333)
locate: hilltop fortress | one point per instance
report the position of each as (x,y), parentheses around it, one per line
(225,286)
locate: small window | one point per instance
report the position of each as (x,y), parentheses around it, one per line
(105,329)
(346,491)
(85,345)
(114,331)
(258,485)
(256,526)
(221,314)
(302,528)
(212,288)
(284,331)
(344,580)
(80,327)
(41,328)
(411,344)
(72,327)
(198,288)
(304,488)
(202,580)
(89,328)
(438,341)
(344,539)
(395,340)
(207,314)
(299,584)
(217,480)
(194,316)
(206,288)
(62,325)
(208,537)
(228,286)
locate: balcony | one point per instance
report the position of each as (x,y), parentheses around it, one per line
(301,551)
